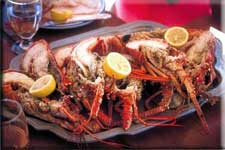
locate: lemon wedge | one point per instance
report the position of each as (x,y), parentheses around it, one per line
(60,15)
(43,86)
(176,36)
(116,65)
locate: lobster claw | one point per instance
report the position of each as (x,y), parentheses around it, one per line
(11,76)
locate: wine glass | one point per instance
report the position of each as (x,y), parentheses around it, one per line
(14,125)
(24,17)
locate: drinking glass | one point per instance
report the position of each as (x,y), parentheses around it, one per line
(14,125)
(24,17)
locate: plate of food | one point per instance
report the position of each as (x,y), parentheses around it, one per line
(61,14)
(117,80)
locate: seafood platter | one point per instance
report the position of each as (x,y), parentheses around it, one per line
(117,80)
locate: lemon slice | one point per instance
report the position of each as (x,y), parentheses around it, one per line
(116,65)
(176,36)
(43,86)
(60,15)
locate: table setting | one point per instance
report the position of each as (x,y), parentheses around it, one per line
(75,76)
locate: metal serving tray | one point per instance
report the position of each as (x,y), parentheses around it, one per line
(39,124)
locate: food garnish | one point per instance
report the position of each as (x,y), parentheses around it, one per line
(176,36)
(43,86)
(116,65)
(60,15)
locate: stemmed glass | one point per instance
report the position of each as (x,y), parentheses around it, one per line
(14,125)
(24,17)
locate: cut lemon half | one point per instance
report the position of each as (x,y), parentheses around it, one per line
(176,36)
(116,65)
(43,86)
(60,15)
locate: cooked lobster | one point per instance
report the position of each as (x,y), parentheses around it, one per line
(83,89)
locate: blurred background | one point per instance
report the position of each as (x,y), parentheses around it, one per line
(169,12)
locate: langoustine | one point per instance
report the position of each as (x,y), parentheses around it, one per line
(83,85)
(189,69)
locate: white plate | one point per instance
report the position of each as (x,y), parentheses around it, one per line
(71,25)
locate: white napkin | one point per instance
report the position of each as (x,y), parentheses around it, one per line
(221,36)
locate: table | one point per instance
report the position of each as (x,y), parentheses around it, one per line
(191,135)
